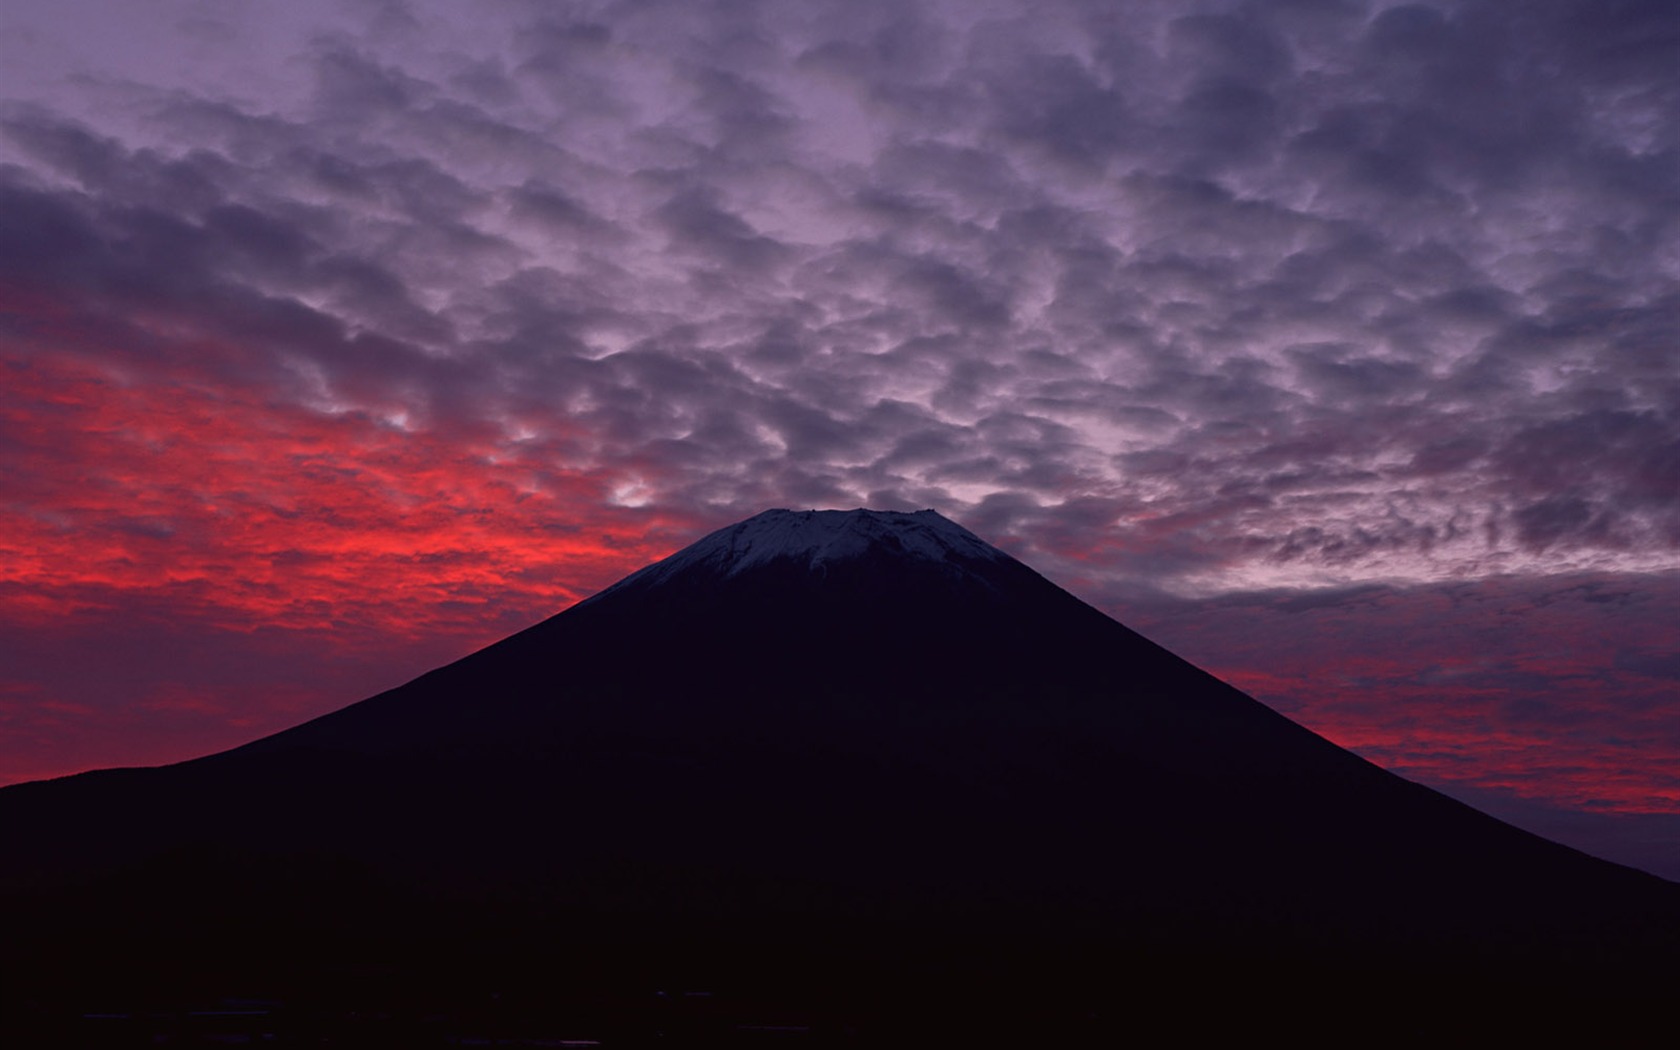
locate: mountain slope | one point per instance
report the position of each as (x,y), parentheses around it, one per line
(840,744)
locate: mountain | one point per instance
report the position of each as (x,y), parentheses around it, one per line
(858,764)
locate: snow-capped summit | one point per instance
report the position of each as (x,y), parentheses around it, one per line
(819,538)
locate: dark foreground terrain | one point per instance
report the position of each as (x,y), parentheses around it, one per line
(824,779)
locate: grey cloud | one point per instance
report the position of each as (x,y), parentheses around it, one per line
(102,165)
(1305,281)
(1623,41)
(1229,45)
(68,146)
(1609,474)
(114,261)
(1226,120)
(1340,372)
(954,292)
(46,237)
(897,46)
(1056,104)
(275,247)
(1543,523)
(938,178)
(1651,665)
(1409,31)
(1448,455)
(696,220)
(748,120)
(936,445)
(550,206)
(352,87)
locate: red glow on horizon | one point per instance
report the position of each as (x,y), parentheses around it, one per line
(187,565)
(1466,734)
(246,511)
(293,534)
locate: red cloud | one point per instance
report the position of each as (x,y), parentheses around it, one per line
(247,511)
(1514,686)
(269,547)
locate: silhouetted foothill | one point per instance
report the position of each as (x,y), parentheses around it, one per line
(860,767)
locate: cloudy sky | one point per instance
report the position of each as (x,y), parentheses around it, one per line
(1334,344)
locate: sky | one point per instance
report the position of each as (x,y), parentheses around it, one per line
(1333,344)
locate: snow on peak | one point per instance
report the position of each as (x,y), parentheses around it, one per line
(817,537)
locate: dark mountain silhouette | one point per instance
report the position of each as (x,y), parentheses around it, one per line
(853,766)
